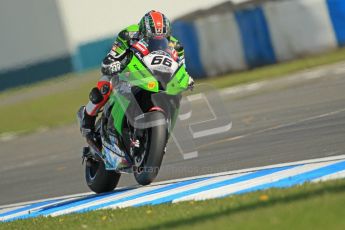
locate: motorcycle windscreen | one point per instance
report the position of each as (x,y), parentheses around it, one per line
(158,44)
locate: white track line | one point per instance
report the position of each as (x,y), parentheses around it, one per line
(48,199)
(173,191)
(339,71)
(25,212)
(105,200)
(310,161)
(2,211)
(229,189)
(333,176)
(244,88)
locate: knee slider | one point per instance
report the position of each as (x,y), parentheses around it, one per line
(95,96)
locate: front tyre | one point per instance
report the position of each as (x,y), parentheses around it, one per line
(147,171)
(98,178)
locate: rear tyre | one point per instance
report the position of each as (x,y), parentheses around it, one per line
(148,170)
(98,178)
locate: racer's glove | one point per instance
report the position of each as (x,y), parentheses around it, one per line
(114,68)
(191,84)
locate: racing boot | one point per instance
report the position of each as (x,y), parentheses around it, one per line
(86,122)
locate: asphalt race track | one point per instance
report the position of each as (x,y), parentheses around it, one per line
(282,122)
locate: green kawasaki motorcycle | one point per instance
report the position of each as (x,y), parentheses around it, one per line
(132,133)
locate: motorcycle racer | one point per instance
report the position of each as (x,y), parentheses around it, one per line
(152,24)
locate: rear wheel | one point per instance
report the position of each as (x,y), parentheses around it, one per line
(98,178)
(149,162)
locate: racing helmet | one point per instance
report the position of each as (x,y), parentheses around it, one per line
(154,24)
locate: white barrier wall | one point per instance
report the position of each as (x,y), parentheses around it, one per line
(299,27)
(220,44)
(31,32)
(260,34)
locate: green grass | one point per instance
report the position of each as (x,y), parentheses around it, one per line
(310,206)
(278,70)
(47,83)
(59,108)
(54,109)
(48,111)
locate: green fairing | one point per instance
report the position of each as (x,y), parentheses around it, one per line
(136,74)
(179,83)
(124,45)
(118,111)
(133,28)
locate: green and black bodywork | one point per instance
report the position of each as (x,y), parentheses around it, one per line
(135,124)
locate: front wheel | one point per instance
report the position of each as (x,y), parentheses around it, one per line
(148,168)
(98,178)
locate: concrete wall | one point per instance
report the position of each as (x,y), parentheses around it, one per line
(29,34)
(32,42)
